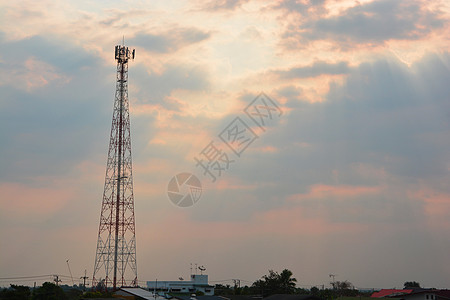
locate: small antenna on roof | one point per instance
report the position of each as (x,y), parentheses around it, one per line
(123,40)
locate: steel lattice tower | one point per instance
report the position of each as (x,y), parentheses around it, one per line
(116,245)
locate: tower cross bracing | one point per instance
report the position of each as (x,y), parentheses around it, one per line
(115,260)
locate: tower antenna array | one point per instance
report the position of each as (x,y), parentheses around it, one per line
(115,258)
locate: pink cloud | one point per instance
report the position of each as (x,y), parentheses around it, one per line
(282,222)
(21,201)
(227,184)
(31,74)
(293,220)
(321,191)
(269,149)
(437,206)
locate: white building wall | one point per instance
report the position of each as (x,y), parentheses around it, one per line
(421,296)
(197,283)
(199,279)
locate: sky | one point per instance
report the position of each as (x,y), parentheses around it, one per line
(350,176)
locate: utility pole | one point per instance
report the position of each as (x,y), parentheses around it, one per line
(237,283)
(333,283)
(56,279)
(84,280)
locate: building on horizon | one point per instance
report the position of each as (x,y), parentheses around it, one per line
(413,294)
(198,283)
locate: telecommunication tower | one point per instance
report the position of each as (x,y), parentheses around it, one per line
(115,260)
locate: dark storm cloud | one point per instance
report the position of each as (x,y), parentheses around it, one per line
(169,41)
(316,69)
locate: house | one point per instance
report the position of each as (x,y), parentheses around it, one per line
(243,297)
(426,294)
(292,297)
(198,283)
(136,294)
(192,297)
(393,293)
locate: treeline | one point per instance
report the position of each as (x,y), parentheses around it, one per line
(283,283)
(48,291)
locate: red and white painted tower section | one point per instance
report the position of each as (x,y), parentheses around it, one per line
(115,260)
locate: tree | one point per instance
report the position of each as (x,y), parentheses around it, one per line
(344,288)
(97,294)
(411,284)
(221,289)
(326,294)
(287,282)
(16,292)
(342,285)
(275,283)
(49,291)
(73,294)
(314,291)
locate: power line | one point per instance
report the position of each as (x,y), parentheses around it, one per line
(223,280)
(23,280)
(49,277)
(23,277)
(230,280)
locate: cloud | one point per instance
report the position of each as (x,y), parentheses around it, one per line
(223,5)
(169,41)
(341,191)
(30,74)
(300,7)
(383,111)
(52,106)
(316,69)
(46,201)
(52,50)
(368,162)
(372,22)
(384,126)
(57,102)
(378,21)
(156,88)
